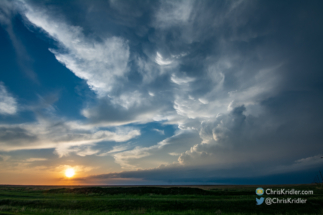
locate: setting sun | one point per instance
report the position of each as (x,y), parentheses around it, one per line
(69,172)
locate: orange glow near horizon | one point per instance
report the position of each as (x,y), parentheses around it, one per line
(69,172)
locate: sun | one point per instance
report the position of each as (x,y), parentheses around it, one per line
(69,172)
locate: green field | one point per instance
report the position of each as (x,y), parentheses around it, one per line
(152,200)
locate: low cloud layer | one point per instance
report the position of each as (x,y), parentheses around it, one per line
(231,174)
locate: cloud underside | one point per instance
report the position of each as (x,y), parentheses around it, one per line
(230,174)
(235,88)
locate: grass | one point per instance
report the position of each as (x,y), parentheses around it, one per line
(231,200)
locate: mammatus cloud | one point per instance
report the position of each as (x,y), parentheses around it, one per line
(8,104)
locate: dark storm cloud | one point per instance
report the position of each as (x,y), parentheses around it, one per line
(239,138)
(295,172)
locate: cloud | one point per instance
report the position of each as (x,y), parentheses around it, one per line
(155,154)
(116,149)
(301,164)
(79,169)
(148,70)
(82,150)
(126,109)
(36,159)
(100,63)
(104,65)
(68,142)
(235,87)
(5,157)
(237,174)
(173,13)
(181,81)
(15,136)
(237,138)
(123,158)
(174,154)
(8,13)
(160,61)
(8,104)
(213,174)
(162,132)
(65,137)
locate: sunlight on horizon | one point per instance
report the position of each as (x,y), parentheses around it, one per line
(69,172)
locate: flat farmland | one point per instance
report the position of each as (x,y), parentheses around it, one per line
(222,199)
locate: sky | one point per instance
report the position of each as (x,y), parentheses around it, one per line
(161,92)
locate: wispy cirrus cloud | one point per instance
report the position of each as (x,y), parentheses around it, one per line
(63,136)
(100,63)
(162,132)
(36,159)
(8,104)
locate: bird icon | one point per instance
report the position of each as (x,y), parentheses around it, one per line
(260,201)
